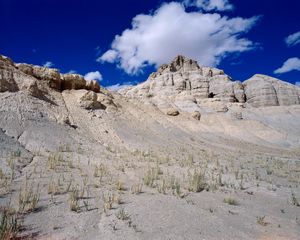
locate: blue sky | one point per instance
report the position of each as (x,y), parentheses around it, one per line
(241,37)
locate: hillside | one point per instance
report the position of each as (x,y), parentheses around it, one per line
(188,154)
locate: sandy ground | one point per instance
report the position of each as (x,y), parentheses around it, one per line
(132,172)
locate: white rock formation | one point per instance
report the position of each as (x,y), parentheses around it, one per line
(188,87)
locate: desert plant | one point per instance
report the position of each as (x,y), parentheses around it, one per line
(16,153)
(53,188)
(137,188)
(177,189)
(196,181)
(294,200)
(122,215)
(53,161)
(108,200)
(9,224)
(161,188)
(28,199)
(231,201)
(2,175)
(150,176)
(120,186)
(261,220)
(74,200)
(70,164)
(101,171)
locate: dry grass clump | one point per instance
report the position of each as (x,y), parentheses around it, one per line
(53,160)
(9,224)
(231,201)
(151,175)
(169,185)
(28,199)
(120,186)
(108,200)
(196,181)
(137,188)
(122,214)
(294,200)
(101,171)
(74,200)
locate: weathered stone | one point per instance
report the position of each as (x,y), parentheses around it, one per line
(172,112)
(92,85)
(89,101)
(43,73)
(262,91)
(72,81)
(196,115)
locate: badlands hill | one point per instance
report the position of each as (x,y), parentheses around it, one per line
(188,154)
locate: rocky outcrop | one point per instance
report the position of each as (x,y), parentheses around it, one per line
(42,73)
(263,91)
(186,85)
(72,81)
(89,100)
(56,80)
(7,78)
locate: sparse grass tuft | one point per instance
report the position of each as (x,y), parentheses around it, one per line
(53,160)
(196,181)
(137,188)
(261,220)
(9,224)
(28,199)
(150,176)
(231,201)
(120,186)
(294,200)
(108,200)
(74,200)
(122,215)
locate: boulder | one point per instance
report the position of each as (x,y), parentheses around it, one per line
(89,101)
(196,115)
(31,87)
(172,112)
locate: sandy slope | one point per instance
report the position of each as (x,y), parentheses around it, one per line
(255,161)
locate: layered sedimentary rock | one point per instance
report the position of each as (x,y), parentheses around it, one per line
(186,86)
(56,80)
(263,90)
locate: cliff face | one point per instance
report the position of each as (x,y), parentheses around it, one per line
(13,77)
(185,85)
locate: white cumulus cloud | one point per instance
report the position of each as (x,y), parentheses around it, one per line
(289,65)
(297,84)
(109,56)
(157,38)
(293,39)
(48,64)
(209,5)
(93,76)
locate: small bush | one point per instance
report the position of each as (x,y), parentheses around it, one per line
(231,201)
(122,215)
